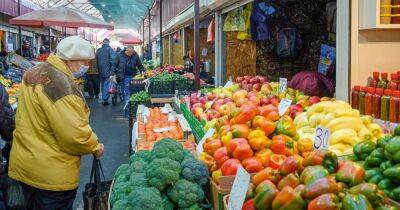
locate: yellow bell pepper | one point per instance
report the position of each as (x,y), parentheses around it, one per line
(305,145)
(226,139)
(257,139)
(216,175)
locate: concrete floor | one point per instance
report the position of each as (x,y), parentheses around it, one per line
(112,129)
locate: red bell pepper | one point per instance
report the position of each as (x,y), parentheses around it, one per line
(235,142)
(288,199)
(230,167)
(328,201)
(275,161)
(242,152)
(291,180)
(350,173)
(220,156)
(249,205)
(252,165)
(245,114)
(265,194)
(278,144)
(290,165)
(319,187)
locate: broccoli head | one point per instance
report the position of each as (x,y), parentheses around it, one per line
(168,205)
(121,204)
(185,193)
(121,178)
(138,179)
(120,188)
(116,197)
(144,155)
(122,169)
(168,148)
(138,166)
(195,170)
(162,172)
(146,198)
(187,154)
(194,207)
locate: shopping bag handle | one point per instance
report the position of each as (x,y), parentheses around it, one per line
(97,169)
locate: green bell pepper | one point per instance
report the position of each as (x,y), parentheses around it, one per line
(373,175)
(375,158)
(396,194)
(350,173)
(386,184)
(312,173)
(381,143)
(385,165)
(392,173)
(265,193)
(386,207)
(369,190)
(288,199)
(355,202)
(286,127)
(392,149)
(363,149)
(396,131)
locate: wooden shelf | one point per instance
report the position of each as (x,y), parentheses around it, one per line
(369,16)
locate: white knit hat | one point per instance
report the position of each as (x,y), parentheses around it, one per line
(75,48)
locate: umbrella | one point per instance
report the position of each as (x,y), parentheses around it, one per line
(60,16)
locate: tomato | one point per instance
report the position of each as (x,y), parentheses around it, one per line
(252,165)
(249,205)
(230,167)
(276,160)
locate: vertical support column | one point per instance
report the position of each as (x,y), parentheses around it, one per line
(220,70)
(184,44)
(161,36)
(19,29)
(143,47)
(50,38)
(170,42)
(343,76)
(196,44)
(150,49)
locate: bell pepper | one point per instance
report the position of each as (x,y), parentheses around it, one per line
(385,165)
(325,158)
(216,175)
(381,142)
(312,173)
(373,175)
(319,187)
(226,139)
(375,158)
(286,126)
(386,184)
(257,139)
(265,194)
(305,145)
(392,173)
(234,143)
(266,174)
(355,202)
(220,156)
(327,201)
(350,173)
(211,145)
(250,191)
(275,161)
(263,156)
(363,149)
(240,130)
(230,167)
(262,123)
(252,165)
(370,191)
(392,149)
(291,180)
(244,114)
(209,161)
(242,152)
(267,109)
(278,144)
(249,205)
(288,199)
(299,188)
(396,194)
(288,166)
(386,207)
(224,130)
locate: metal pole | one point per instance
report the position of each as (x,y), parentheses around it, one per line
(161,36)
(49,38)
(196,44)
(19,29)
(143,47)
(150,53)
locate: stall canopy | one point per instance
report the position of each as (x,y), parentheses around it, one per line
(131,41)
(60,16)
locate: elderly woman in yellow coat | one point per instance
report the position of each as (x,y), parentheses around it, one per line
(52,128)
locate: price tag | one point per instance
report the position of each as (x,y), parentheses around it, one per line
(229,83)
(160,130)
(146,112)
(164,110)
(171,117)
(282,85)
(321,139)
(176,101)
(135,134)
(283,106)
(239,189)
(199,148)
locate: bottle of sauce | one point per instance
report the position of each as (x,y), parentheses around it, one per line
(384,80)
(393,82)
(368,100)
(375,79)
(376,103)
(385,102)
(354,97)
(361,100)
(394,106)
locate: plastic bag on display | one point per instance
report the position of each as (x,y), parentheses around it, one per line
(13,193)
(288,43)
(258,21)
(246,34)
(234,20)
(112,88)
(211,32)
(312,83)
(95,196)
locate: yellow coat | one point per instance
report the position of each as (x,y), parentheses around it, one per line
(52,129)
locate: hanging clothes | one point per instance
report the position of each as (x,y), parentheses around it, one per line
(258,21)
(246,34)
(211,32)
(234,20)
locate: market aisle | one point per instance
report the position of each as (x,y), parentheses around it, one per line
(112,129)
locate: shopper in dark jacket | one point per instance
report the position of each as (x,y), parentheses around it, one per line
(125,67)
(92,81)
(105,57)
(7,123)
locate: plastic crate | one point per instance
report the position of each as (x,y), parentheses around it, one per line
(184,85)
(161,87)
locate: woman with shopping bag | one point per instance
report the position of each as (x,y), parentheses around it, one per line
(52,128)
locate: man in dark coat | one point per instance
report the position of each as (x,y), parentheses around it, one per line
(7,123)
(104,58)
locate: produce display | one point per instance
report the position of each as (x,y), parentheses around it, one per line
(346,125)
(167,177)
(167,83)
(11,88)
(381,161)
(140,97)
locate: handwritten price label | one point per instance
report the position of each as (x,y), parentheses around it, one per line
(199,148)
(283,106)
(239,189)
(282,85)
(321,139)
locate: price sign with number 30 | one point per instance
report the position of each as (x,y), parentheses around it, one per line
(321,139)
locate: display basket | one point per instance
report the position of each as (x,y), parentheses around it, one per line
(183,85)
(158,87)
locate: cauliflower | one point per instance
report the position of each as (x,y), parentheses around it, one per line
(168,148)
(162,172)
(185,193)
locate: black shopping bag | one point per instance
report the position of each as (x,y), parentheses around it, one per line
(95,196)
(13,193)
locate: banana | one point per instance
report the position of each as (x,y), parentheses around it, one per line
(354,123)
(375,129)
(301,120)
(340,146)
(316,119)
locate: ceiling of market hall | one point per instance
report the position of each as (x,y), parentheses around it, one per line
(122,13)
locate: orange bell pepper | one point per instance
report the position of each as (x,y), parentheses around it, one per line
(263,124)
(245,114)
(240,130)
(257,139)
(263,156)
(211,145)
(243,151)
(266,174)
(252,165)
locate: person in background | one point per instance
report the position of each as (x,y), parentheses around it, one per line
(45,48)
(104,59)
(26,51)
(3,61)
(118,50)
(125,67)
(92,81)
(146,55)
(52,128)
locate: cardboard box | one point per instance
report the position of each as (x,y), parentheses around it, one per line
(217,195)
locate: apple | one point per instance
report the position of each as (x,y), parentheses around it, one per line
(257,87)
(225,109)
(211,96)
(203,100)
(242,101)
(262,79)
(304,102)
(254,100)
(254,80)
(266,88)
(248,87)
(239,94)
(274,100)
(264,101)
(198,105)
(314,99)
(197,111)
(212,114)
(239,79)
(294,109)
(217,104)
(244,82)
(247,77)
(193,98)
(252,93)
(227,100)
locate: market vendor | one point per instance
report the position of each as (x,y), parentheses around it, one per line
(52,128)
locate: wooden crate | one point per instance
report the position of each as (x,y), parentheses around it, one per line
(109,194)
(217,195)
(226,199)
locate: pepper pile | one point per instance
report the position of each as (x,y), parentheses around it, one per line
(297,185)
(382,163)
